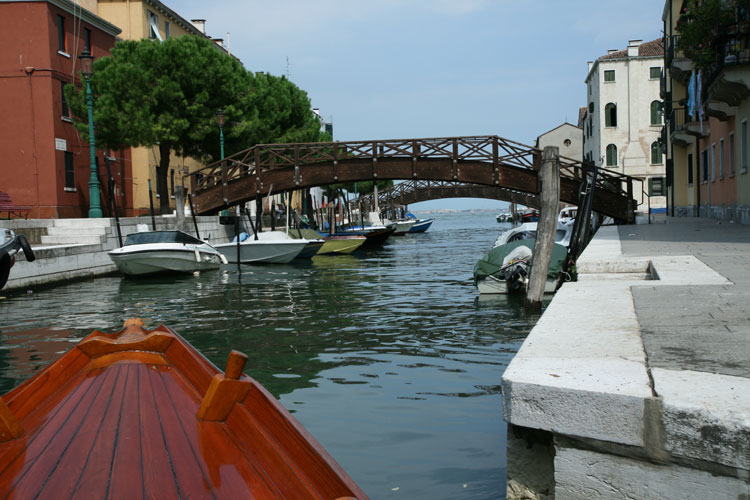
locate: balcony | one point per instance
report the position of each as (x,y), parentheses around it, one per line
(728,79)
(684,132)
(680,67)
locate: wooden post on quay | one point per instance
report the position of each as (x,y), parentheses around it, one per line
(549,197)
(179,200)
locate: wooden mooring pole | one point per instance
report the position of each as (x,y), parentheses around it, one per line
(549,196)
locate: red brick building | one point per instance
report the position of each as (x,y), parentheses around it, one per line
(44,161)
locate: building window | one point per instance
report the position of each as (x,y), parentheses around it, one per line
(70,181)
(153,21)
(61,34)
(611,155)
(704,160)
(731,154)
(690,168)
(65,110)
(713,161)
(656,114)
(743,144)
(609,75)
(654,73)
(610,115)
(567,143)
(171,180)
(591,107)
(591,125)
(721,158)
(87,40)
(656,186)
(166,30)
(656,156)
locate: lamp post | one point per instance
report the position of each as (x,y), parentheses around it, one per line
(220,120)
(87,69)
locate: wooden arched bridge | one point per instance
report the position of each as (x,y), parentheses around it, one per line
(480,160)
(414,191)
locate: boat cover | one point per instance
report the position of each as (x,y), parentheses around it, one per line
(492,261)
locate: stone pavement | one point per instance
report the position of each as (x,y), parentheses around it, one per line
(635,383)
(699,328)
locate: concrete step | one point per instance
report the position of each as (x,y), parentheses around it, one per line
(615,276)
(76,231)
(73,240)
(82,222)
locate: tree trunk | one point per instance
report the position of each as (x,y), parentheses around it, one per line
(162,188)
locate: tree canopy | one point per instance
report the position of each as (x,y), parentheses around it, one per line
(167,93)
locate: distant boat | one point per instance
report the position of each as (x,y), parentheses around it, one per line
(376,235)
(504,217)
(153,252)
(271,247)
(403,226)
(421,225)
(141,413)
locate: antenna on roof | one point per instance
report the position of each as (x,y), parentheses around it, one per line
(288,74)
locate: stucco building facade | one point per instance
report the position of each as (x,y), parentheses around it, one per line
(623,119)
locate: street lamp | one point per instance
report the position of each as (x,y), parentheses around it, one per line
(220,120)
(87,69)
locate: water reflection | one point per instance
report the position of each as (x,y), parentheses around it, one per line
(388,357)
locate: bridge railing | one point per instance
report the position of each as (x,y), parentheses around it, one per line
(495,151)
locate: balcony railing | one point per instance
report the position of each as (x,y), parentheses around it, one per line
(677,120)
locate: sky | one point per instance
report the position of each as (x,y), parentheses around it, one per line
(395,69)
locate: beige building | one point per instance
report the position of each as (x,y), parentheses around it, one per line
(153,20)
(567,137)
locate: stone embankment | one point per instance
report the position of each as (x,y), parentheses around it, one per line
(67,249)
(635,382)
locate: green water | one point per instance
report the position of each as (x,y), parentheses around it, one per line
(388,358)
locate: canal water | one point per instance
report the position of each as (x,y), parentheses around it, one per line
(389,358)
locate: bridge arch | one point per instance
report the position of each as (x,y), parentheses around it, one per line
(488,161)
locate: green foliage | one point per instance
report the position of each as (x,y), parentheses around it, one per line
(699,26)
(167,93)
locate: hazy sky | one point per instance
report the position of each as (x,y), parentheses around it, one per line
(388,69)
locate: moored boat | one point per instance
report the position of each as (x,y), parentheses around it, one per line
(376,235)
(10,245)
(421,225)
(341,244)
(403,226)
(271,247)
(506,268)
(141,414)
(153,252)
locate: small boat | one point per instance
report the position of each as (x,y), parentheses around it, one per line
(164,251)
(421,225)
(142,414)
(506,268)
(271,247)
(527,230)
(504,217)
(376,235)
(567,214)
(10,245)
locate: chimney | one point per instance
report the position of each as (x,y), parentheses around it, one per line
(611,51)
(591,65)
(200,25)
(633,47)
(219,42)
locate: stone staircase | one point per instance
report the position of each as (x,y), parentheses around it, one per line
(77,232)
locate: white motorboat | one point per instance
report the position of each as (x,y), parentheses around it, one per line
(527,230)
(164,251)
(567,214)
(271,247)
(404,226)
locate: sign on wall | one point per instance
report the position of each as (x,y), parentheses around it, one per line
(61,144)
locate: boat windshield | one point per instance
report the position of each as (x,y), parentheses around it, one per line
(161,237)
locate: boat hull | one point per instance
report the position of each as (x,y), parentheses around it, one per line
(421,226)
(403,227)
(140,260)
(375,237)
(311,249)
(341,245)
(262,252)
(142,414)
(492,285)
